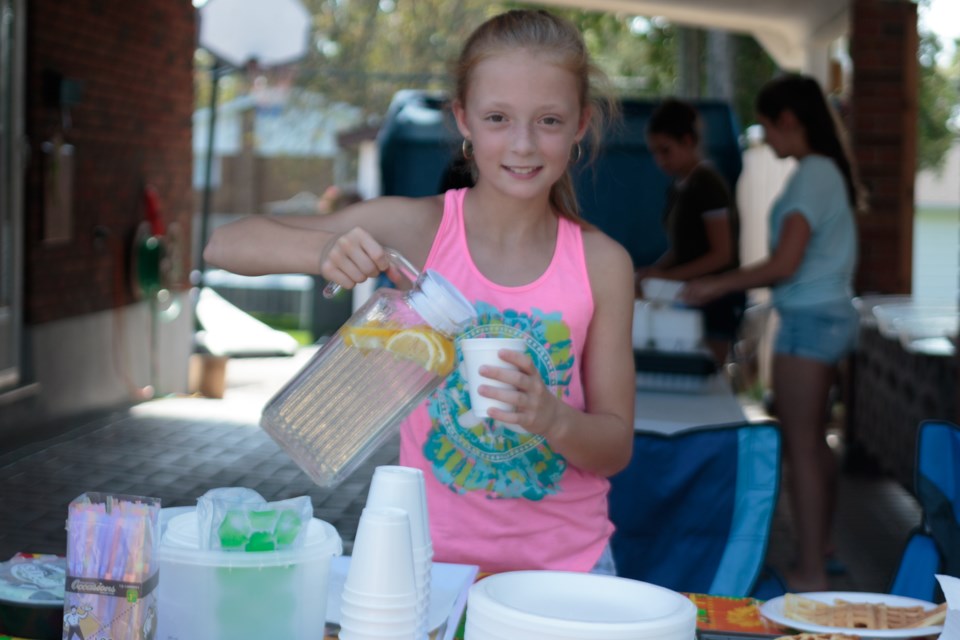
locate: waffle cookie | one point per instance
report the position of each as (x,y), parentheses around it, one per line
(861,615)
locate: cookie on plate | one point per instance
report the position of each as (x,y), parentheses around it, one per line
(861,615)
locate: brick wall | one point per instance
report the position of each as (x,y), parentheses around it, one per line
(884,135)
(132,125)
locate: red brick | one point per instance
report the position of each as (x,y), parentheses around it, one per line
(135,61)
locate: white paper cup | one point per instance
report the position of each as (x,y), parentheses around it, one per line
(478,352)
(360,631)
(382,562)
(402,488)
(396,603)
(355,612)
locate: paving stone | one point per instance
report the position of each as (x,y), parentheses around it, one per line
(174,450)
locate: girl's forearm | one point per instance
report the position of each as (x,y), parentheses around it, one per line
(259,245)
(702,266)
(598,443)
(762,274)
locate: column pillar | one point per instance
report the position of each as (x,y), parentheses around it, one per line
(883,123)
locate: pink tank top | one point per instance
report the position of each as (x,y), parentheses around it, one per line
(498,499)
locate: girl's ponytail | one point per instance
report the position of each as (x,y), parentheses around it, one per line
(802,96)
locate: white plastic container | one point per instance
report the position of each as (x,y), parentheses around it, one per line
(890,317)
(661,289)
(222,595)
(666,328)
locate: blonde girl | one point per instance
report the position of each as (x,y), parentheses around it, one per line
(515,245)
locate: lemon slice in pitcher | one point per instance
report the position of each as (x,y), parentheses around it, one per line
(367,336)
(417,346)
(446,353)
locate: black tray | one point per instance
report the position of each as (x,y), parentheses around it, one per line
(689,363)
(37,621)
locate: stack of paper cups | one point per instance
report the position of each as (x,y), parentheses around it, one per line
(403,488)
(379,598)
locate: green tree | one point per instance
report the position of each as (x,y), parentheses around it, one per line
(366,50)
(753,67)
(939,95)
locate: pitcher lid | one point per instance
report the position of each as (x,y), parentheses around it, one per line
(441,304)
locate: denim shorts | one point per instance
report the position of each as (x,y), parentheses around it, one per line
(823,333)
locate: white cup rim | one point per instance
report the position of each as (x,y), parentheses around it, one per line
(484,344)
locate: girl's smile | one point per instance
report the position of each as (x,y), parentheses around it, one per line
(523,172)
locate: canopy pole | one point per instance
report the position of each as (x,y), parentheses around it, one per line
(215,72)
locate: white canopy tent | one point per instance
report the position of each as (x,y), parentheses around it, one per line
(797,35)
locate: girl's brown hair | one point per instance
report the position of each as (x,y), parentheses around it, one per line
(542,31)
(825,134)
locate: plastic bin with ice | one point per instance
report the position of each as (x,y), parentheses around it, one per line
(230,595)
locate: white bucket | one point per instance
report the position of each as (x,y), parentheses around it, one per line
(558,605)
(214,594)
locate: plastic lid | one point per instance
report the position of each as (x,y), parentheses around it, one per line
(441,304)
(181,543)
(33,579)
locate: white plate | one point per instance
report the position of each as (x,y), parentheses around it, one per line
(773,610)
(580,605)
(448,590)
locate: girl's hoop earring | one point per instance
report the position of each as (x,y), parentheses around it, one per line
(467,148)
(576,154)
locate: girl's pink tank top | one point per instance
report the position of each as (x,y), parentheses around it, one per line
(496,498)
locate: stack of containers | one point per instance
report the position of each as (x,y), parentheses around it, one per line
(403,488)
(379,599)
(559,605)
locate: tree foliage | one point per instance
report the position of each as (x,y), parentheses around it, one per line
(364,51)
(938,99)
(753,67)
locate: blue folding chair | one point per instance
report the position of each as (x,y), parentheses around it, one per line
(933,546)
(693,510)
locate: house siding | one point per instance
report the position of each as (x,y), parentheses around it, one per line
(87,343)
(936,241)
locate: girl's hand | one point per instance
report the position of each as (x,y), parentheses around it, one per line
(702,290)
(535,406)
(351,257)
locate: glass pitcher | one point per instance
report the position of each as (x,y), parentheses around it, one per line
(392,352)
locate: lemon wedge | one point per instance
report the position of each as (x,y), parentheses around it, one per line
(417,346)
(367,337)
(446,352)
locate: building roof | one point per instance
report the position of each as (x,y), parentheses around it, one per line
(786,28)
